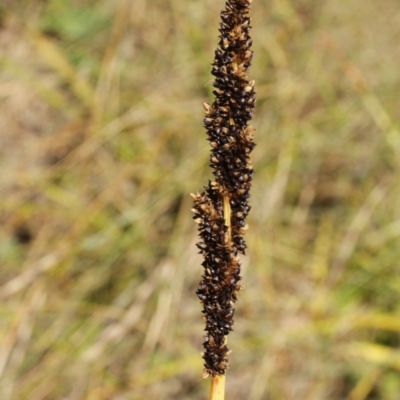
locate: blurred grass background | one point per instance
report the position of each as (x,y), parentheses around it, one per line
(101,144)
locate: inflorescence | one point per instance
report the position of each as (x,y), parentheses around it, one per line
(222,208)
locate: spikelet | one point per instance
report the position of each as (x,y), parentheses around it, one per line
(221,209)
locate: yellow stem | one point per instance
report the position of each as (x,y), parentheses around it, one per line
(217,391)
(227,216)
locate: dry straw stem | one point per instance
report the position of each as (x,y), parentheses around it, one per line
(222,208)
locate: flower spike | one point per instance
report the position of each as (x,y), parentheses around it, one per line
(221,209)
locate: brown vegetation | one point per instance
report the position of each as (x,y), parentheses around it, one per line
(101,142)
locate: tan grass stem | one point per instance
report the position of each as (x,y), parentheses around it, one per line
(217,391)
(227,218)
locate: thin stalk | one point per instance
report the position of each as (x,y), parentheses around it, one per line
(221,209)
(227,218)
(217,391)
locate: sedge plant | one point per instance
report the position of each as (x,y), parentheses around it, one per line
(221,209)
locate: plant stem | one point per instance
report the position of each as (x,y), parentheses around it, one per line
(227,217)
(217,391)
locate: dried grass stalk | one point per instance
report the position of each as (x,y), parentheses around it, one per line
(221,209)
